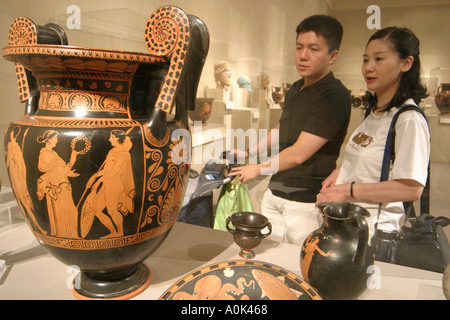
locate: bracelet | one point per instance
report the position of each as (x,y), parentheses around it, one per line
(351,189)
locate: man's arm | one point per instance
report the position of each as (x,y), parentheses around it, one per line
(304,148)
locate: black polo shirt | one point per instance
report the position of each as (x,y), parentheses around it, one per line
(322,109)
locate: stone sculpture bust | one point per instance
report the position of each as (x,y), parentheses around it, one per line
(222,74)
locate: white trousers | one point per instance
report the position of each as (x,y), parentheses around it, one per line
(291,221)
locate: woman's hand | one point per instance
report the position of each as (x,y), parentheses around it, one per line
(336,193)
(330,181)
(246,173)
(331,192)
(399,190)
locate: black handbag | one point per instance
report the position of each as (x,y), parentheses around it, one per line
(421,242)
(424,244)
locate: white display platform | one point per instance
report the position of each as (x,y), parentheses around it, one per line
(32,273)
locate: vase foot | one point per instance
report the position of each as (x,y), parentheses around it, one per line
(122,285)
(247,254)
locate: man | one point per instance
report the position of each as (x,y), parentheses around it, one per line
(311,131)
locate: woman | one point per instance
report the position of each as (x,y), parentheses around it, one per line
(18,176)
(55,186)
(391,69)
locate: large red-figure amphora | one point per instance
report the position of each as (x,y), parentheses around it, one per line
(99,162)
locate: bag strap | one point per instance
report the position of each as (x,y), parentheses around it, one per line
(389,157)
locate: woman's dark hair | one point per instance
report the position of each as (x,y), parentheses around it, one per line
(46,136)
(120,135)
(406,44)
(326,26)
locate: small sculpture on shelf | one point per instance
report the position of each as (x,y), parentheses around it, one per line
(265,81)
(244,83)
(222,74)
(266,93)
(223,92)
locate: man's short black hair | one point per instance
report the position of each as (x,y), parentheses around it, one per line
(328,27)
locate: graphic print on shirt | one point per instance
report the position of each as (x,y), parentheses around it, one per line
(361,140)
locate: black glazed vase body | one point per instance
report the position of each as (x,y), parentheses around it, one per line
(335,258)
(97,165)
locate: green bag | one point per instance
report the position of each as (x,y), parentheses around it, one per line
(234,197)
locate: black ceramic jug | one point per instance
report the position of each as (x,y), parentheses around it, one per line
(334,259)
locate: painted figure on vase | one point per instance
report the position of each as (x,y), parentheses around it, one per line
(18,175)
(55,187)
(112,187)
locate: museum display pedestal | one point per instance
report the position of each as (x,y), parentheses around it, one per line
(275,114)
(32,273)
(245,118)
(10,215)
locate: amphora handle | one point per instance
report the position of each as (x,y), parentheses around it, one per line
(184,41)
(24,31)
